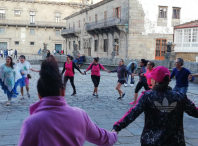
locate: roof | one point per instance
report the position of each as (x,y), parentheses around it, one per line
(87,9)
(187,25)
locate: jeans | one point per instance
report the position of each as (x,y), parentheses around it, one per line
(15,55)
(183,90)
(128,78)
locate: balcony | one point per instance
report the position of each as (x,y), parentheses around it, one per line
(188,47)
(106,25)
(72,32)
(28,23)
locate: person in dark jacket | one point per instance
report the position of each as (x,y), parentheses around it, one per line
(15,53)
(142,80)
(164,110)
(122,75)
(48,54)
(69,66)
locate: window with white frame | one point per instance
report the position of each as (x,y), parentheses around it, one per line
(187,35)
(57,32)
(162,12)
(195,35)
(178,34)
(176,13)
(2,30)
(17,12)
(32,31)
(57,17)
(32,17)
(2,14)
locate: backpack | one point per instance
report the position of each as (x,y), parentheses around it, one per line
(93,64)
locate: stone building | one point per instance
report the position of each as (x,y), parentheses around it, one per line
(186,41)
(26,24)
(141,28)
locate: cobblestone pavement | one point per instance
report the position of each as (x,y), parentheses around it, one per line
(104,111)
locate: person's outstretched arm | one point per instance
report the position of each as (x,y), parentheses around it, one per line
(76,67)
(89,67)
(99,136)
(114,70)
(63,69)
(190,108)
(103,68)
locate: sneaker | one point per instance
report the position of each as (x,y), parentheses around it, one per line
(28,94)
(22,98)
(123,95)
(73,94)
(8,103)
(96,95)
(119,98)
(125,85)
(131,85)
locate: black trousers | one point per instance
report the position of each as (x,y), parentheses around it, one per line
(15,55)
(140,85)
(66,78)
(95,80)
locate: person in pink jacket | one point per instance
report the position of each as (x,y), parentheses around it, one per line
(95,68)
(52,122)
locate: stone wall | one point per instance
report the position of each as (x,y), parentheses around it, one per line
(187,56)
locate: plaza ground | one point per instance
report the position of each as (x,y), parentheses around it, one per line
(104,111)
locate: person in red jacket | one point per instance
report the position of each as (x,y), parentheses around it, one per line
(150,67)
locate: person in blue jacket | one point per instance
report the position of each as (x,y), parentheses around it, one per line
(131,67)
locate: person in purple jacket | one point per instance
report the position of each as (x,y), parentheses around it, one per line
(52,122)
(164,110)
(122,77)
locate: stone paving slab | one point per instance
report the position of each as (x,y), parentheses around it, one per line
(104,111)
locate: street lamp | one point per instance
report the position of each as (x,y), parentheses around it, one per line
(115,46)
(170,47)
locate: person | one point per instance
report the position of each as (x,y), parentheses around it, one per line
(77,59)
(5,53)
(48,54)
(1,53)
(69,66)
(11,53)
(95,68)
(54,51)
(164,110)
(15,53)
(150,67)
(121,73)
(82,59)
(73,125)
(39,52)
(142,80)
(182,75)
(51,57)
(9,79)
(132,67)
(25,67)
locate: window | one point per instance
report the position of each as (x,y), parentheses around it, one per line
(117,12)
(2,30)
(89,18)
(17,12)
(32,31)
(79,45)
(16,43)
(195,35)
(57,32)
(79,23)
(96,45)
(187,35)
(105,45)
(69,45)
(117,47)
(32,17)
(176,13)
(2,14)
(160,49)
(31,43)
(162,12)
(96,18)
(57,17)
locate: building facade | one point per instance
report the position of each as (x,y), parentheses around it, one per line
(141,28)
(25,25)
(186,41)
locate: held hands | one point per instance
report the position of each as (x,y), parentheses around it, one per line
(190,77)
(142,74)
(115,131)
(109,71)
(82,73)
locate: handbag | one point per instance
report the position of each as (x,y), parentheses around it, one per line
(29,76)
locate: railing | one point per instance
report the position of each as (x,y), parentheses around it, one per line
(28,23)
(106,23)
(71,30)
(186,47)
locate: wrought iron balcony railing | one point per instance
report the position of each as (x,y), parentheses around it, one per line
(36,23)
(71,30)
(105,23)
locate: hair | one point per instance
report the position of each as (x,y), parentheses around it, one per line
(122,60)
(181,61)
(96,59)
(152,63)
(11,63)
(144,62)
(71,57)
(133,64)
(163,86)
(53,58)
(22,56)
(50,81)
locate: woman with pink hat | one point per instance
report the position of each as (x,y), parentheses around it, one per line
(164,110)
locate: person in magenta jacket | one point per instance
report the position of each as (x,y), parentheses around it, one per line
(52,122)
(95,68)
